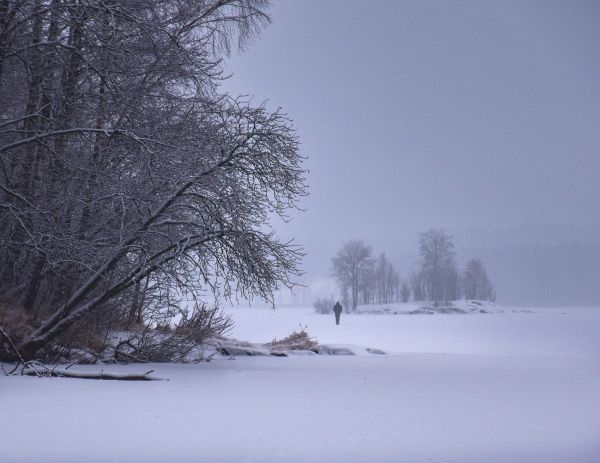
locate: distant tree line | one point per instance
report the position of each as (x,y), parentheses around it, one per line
(364,279)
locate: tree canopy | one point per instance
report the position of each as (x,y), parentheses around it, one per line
(127,178)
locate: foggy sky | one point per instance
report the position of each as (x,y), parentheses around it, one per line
(482,118)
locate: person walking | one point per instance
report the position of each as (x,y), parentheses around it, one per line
(337,310)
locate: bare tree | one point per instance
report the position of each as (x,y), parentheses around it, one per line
(352,267)
(475,281)
(367,287)
(451,288)
(405,291)
(345,295)
(438,267)
(387,281)
(417,285)
(127,181)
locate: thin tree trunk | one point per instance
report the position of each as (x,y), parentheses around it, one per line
(33,286)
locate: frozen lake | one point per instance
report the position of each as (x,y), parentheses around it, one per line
(505,387)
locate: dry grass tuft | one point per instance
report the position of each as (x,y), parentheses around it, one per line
(298,340)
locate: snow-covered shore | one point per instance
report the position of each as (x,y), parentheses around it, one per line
(519,331)
(501,387)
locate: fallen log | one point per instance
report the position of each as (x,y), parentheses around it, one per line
(83,375)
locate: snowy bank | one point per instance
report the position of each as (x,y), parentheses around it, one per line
(502,388)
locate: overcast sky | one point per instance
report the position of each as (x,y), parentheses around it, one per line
(463,115)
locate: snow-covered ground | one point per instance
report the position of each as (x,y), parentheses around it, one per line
(513,386)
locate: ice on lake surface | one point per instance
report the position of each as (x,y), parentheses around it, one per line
(516,386)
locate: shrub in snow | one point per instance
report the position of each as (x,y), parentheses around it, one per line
(324,305)
(177,344)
